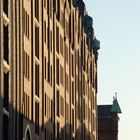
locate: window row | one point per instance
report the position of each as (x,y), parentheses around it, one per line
(37,118)
(26,65)
(26,105)
(26,24)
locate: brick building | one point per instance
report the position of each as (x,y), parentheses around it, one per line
(48,71)
(108,121)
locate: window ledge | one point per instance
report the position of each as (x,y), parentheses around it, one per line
(5,112)
(5,19)
(6,66)
(36,23)
(37,61)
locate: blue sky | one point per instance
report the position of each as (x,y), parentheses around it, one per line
(117,26)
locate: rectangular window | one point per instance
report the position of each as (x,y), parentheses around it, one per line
(6,45)
(37,80)
(61,45)
(61,74)
(72,65)
(73,95)
(49,72)
(5,127)
(58,125)
(37,118)
(44,31)
(45,103)
(28,29)
(57,71)
(37,9)
(5,7)
(57,39)
(37,42)
(45,67)
(6,91)
(57,100)
(44,3)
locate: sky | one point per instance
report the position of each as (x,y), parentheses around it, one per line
(117,26)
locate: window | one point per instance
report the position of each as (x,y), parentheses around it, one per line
(44,31)
(57,39)
(45,103)
(37,118)
(62,105)
(57,100)
(5,127)
(26,24)
(61,74)
(72,65)
(5,42)
(5,7)
(45,67)
(73,95)
(67,82)
(37,80)
(57,71)
(37,9)
(6,91)
(45,3)
(58,125)
(49,72)
(67,54)
(61,45)
(37,42)
(26,65)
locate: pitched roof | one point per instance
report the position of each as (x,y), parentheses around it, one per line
(105,111)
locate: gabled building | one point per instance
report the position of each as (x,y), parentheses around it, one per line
(108,121)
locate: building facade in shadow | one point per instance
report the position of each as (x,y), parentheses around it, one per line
(48,71)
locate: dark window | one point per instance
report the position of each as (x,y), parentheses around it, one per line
(37,9)
(37,79)
(61,74)
(58,10)
(6,91)
(5,7)
(58,130)
(37,118)
(45,31)
(44,3)
(57,71)
(37,42)
(45,67)
(45,103)
(6,46)
(49,72)
(57,39)
(5,127)
(57,100)
(72,65)
(72,93)
(61,45)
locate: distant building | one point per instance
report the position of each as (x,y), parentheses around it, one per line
(108,121)
(48,71)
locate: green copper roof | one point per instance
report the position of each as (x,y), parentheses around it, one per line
(96,44)
(88,22)
(115,106)
(75,2)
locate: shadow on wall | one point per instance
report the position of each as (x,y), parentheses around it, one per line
(15,126)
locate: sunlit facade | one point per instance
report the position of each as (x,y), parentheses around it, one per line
(48,71)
